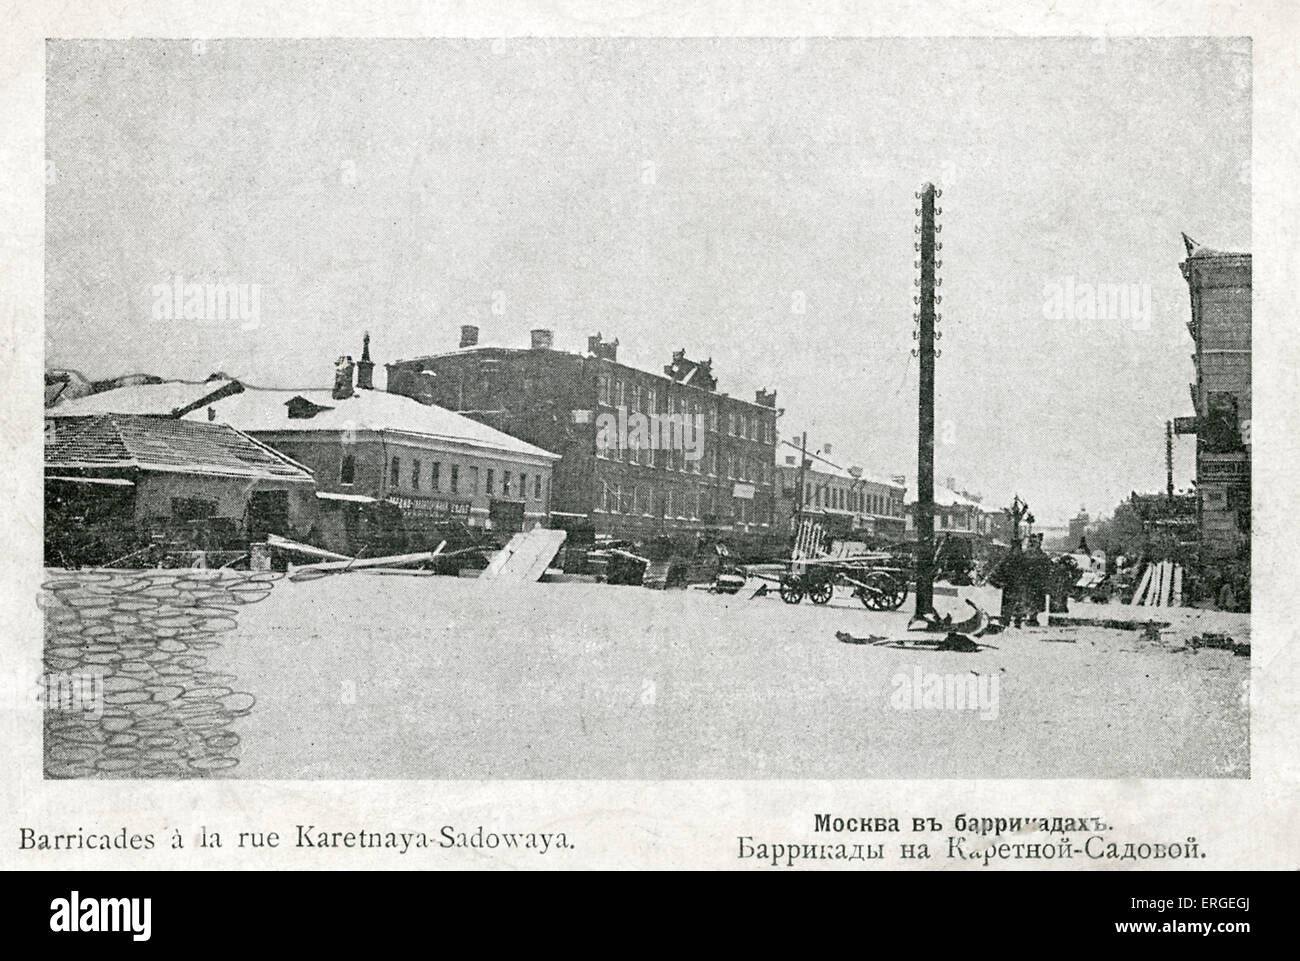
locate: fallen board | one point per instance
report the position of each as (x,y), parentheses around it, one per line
(525,558)
(295,547)
(396,560)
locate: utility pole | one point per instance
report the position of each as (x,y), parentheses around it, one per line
(1169,460)
(925,419)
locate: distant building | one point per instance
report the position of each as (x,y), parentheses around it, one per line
(849,501)
(957,514)
(115,481)
(1078,528)
(1219,285)
(642,453)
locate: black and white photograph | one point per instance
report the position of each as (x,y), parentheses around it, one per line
(647,408)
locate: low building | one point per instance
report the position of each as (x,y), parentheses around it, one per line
(115,483)
(850,502)
(642,453)
(385,461)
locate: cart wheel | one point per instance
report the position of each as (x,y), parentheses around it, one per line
(884,593)
(791,589)
(821,592)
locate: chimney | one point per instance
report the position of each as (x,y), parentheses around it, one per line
(542,339)
(365,368)
(951,484)
(597,346)
(468,335)
(827,450)
(765,398)
(343,378)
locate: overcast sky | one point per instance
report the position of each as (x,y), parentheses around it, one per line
(751,201)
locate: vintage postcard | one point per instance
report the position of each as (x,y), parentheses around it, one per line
(499,443)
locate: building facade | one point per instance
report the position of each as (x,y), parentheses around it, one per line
(849,502)
(958,514)
(430,469)
(641,453)
(1219,286)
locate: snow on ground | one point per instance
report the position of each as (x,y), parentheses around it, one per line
(362,676)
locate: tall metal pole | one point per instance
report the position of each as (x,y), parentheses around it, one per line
(803,469)
(925,418)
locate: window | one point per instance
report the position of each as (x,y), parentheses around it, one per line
(348,470)
(415,475)
(487,485)
(741,421)
(753,429)
(619,394)
(713,417)
(602,388)
(434,470)
(537,486)
(668,501)
(505,483)
(523,486)
(395,472)
(473,481)
(651,399)
(455,478)
(731,423)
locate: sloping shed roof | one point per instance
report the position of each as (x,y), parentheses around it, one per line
(168,445)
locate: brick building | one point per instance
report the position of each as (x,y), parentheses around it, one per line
(642,452)
(1219,285)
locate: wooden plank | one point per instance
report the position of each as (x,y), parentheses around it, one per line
(395,560)
(1168,590)
(526,557)
(284,544)
(1142,586)
(1178,586)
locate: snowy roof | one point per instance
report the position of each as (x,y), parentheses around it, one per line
(947,497)
(160,400)
(821,466)
(167,445)
(261,411)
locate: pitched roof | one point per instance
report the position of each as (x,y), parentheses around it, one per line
(167,445)
(261,411)
(162,400)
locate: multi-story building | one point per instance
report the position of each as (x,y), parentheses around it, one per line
(642,453)
(1219,285)
(848,501)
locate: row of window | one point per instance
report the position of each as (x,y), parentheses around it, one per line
(613,392)
(682,504)
(848,499)
(458,480)
(734,466)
